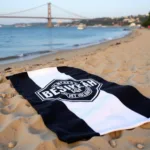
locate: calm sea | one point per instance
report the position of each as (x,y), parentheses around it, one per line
(18,44)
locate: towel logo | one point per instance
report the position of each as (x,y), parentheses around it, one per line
(85,90)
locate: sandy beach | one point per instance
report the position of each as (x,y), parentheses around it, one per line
(125,61)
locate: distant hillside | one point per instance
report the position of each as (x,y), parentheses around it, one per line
(107,21)
(32,24)
(116,21)
(146,22)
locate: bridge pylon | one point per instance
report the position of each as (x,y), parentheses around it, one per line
(49,16)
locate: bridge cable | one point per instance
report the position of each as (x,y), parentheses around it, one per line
(69,12)
(23,10)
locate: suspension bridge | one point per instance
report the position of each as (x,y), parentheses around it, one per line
(49,17)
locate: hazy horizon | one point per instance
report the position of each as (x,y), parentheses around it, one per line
(90,9)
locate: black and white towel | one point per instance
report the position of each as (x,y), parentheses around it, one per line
(77,105)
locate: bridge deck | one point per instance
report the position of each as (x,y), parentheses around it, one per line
(27,17)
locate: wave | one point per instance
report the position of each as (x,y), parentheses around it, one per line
(91,43)
(100,41)
(53,44)
(24,55)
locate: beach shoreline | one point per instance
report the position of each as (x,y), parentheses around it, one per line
(54,55)
(20,49)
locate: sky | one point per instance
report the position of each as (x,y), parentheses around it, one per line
(86,8)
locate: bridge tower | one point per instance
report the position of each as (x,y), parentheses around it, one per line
(49,16)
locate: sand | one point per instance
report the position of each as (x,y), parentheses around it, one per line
(124,61)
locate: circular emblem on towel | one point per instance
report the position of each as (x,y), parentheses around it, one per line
(70,90)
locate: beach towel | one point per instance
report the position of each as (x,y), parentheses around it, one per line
(77,105)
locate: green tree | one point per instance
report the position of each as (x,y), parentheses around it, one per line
(147,22)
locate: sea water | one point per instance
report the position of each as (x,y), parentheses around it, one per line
(25,43)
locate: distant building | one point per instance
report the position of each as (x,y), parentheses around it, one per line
(130,20)
(126,20)
(132,25)
(97,25)
(56,25)
(138,25)
(137,20)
